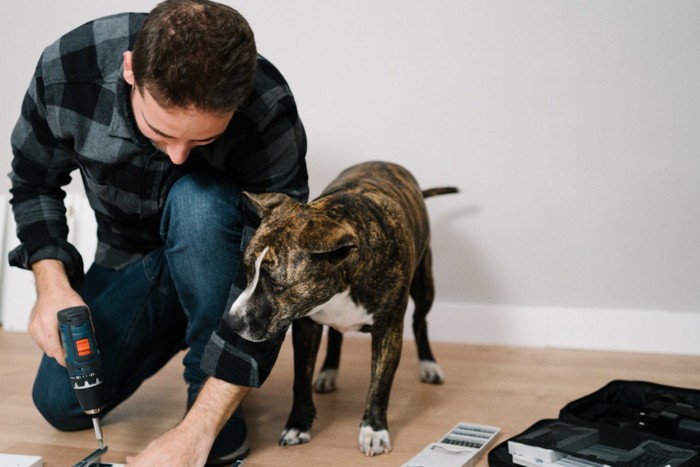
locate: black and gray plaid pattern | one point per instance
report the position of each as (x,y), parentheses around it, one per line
(76,115)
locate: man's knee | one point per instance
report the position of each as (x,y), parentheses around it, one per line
(202,230)
(199,202)
(56,400)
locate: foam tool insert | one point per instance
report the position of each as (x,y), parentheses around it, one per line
(462,446)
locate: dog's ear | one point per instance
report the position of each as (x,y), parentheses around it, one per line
(324,236)
(262,204)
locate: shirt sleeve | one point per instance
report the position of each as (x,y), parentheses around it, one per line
(40,167)
(281,142)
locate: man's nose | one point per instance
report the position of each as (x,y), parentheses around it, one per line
(178,154)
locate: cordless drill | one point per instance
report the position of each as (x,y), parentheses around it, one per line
(83,361)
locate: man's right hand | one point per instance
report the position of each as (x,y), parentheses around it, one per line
(54,293)
(189,442)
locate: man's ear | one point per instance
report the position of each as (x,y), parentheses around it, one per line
(128,70)
(262,204)
(323,235)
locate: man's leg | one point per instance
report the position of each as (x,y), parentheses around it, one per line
(201,228)
(139,326)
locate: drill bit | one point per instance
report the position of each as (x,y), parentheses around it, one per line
(98,431)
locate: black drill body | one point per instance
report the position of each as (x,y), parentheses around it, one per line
(83,361)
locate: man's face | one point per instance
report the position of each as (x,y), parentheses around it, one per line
(173,131)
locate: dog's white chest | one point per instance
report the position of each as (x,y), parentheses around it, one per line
(341,313)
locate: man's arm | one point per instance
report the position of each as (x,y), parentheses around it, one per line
(53,293)
(41,166)
(188,443)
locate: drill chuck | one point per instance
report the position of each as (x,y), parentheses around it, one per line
(83,360)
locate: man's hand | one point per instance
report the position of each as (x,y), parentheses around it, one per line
(178,447)
(54,293)
(189,443)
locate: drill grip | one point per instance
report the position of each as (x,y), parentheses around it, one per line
(83,360)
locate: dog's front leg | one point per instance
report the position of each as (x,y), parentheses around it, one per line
(306,337)
(386,352)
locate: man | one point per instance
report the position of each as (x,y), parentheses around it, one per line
(167,117)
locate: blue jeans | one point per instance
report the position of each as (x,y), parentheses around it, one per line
(170,300)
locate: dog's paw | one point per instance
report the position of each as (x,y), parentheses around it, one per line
(430,372)
(325,382)
(293,436)
(374,442)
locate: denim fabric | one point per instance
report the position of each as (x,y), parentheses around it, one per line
(147,312)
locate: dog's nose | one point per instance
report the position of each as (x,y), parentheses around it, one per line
(235,322)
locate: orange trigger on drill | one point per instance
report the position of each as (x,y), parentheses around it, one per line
(83,347)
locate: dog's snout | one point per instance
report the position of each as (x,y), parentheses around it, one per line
(235,322)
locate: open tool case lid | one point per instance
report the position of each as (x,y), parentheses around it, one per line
(625,423)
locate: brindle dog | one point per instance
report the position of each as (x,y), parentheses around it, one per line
(350,259)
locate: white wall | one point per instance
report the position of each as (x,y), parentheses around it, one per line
(572,129)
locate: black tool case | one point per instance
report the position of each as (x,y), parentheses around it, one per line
(625,423)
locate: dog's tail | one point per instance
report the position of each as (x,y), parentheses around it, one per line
(445,190)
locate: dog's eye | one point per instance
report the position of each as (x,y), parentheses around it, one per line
(275,286)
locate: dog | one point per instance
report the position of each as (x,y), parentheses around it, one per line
(349,259)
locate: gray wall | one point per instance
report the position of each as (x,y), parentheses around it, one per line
(570,127)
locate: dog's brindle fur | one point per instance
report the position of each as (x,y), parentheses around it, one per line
(349,260)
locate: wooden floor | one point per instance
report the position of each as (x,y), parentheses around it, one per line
(506,387)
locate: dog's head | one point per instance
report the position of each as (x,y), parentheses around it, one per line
(294,262)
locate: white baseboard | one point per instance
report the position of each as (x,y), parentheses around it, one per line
(631,330)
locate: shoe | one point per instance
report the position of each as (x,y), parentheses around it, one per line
(231,445)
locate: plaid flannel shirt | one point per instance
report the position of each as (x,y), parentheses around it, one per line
(76,115)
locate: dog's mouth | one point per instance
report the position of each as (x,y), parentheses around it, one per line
(255,332)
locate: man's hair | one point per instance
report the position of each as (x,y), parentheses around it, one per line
(195,54)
